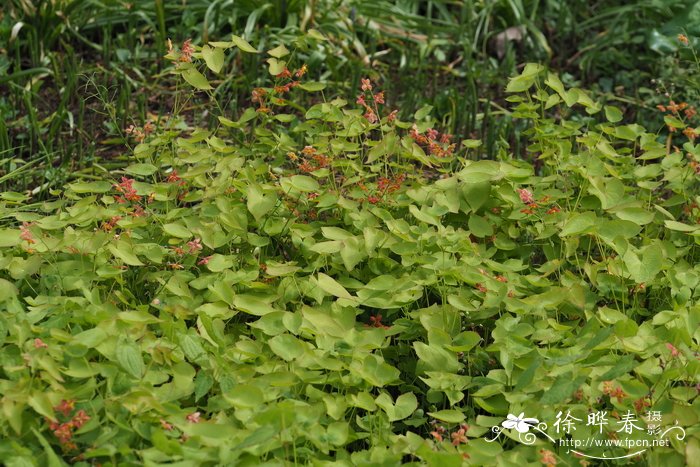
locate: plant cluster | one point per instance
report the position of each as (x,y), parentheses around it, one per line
(334,284)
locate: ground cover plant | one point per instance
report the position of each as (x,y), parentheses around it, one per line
(455,56)
(316,280)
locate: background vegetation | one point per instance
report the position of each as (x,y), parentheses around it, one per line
(306,231)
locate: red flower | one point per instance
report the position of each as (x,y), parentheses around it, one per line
(187,51)
(126,187)
(194,245)
(460,436)
(366,84)
(64,432)
(65,407)
(166,426)
(26,234)
(194,417)
(80,419)
(673,349)
(204,261)
(526,196)
(39,344)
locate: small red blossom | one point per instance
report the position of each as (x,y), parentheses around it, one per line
(126,187)
(64,432)
(553,210)
(379,97)
(39,344)
(301,71)
(460,436)
(641,404)
(373,199)
(165,425)
(366,84)
(392,116)
(186,51)
(194,246)
(257,95)
(173,177)
(204,260)
(377,322)
(66,407)
(674,351)
(80,419)
(285,74)
(194,417)
(480,287)
(526,196)
(26,234)
(547,458)
(371,116)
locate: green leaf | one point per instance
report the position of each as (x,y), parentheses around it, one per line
(423,112)
(129,357)
(681,227)
(331,286)
(124,253)
(9,238)
(141,169)
(579,224)
(301,183)
(276,66)
(279,51)
(286,346)
(526,79)
(196,79)
(313,86)
(405,405)
(213,57)
(612,114)
(90,187)
(252,305)
(624,365)
(448,416)
(176,230)
(637,215)
(243,44)
(258,203)
(674,122)
(562,388)
(437,358)
(479,226)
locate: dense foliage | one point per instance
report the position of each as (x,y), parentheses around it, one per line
(310,283)
(75,73)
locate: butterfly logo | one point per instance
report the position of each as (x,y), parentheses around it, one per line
(520,423)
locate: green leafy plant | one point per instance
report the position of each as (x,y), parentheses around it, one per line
(331,283)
